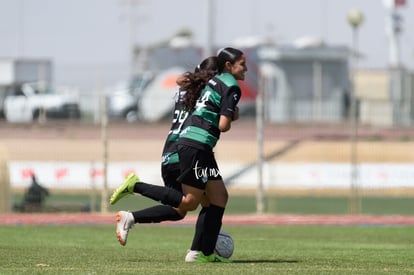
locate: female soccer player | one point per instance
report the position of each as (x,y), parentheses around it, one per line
(215,109)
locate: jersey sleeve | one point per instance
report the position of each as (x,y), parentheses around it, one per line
(230,101)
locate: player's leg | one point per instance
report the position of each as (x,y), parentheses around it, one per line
(217,193)
(158,213)
(170,174)
(132,184)
(193,252)
(205,168)
(176,205)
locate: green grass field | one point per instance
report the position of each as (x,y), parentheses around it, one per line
(386,205)
(160,249)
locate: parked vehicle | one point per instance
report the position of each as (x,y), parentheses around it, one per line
(16,71)
(123,99)
(159,98)
(33,101)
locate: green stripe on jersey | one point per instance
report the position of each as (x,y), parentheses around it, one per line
(173,137)
(209,116)
(200,135)
(211,111)
(228,79)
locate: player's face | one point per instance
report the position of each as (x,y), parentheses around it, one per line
(239,68)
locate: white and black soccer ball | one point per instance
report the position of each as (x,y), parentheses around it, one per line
(224,245)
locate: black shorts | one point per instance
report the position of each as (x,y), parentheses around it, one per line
(170,174)
(197,166)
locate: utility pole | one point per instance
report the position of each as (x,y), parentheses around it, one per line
(208,50)
(355,19)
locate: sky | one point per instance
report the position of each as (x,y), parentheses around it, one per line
(89,41)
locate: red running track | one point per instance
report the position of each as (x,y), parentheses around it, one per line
(267,219)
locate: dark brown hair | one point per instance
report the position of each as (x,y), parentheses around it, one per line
(196,81)
(227,54)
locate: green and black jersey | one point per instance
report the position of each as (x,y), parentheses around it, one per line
(181,112)
(219,97)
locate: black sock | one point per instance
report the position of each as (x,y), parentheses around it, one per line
(163,194)
(196,245)
(212,225)
(156,214)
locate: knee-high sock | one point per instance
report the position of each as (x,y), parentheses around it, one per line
(163,194)
(196,245)
(156,214)
(212,226)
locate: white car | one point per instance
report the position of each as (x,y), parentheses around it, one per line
(123,98)
(28,104)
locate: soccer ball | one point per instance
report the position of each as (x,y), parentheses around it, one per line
(224,245)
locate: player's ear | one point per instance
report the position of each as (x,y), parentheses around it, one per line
(228,66)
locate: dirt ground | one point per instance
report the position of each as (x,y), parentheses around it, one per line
(80,141)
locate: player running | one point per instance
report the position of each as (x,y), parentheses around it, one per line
(216,108)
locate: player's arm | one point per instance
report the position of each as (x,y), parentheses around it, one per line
(224,123)
(229,110)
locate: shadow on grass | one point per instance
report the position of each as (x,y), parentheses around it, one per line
(265,261)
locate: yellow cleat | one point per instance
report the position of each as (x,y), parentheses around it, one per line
(126,188)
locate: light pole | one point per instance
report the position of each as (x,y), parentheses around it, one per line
(104,137)
(355,19)
(21,28)
(209,46)
(259,133)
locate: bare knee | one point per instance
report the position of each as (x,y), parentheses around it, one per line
(222,198)
(188,203)
(217,193)
(191,198)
